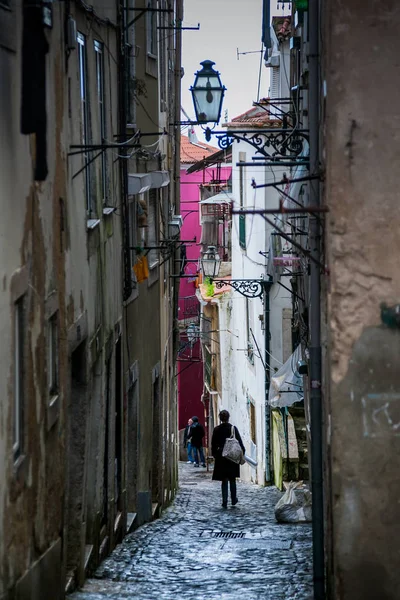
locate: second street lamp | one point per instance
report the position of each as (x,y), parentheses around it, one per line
(211,262)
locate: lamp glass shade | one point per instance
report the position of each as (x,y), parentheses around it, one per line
(211,262)
(208,93)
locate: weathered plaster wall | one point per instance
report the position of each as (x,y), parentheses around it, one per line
(31,250)
(362,145)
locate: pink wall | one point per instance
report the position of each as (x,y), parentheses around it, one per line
(190,379)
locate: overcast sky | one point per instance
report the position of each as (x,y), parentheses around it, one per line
(225,26)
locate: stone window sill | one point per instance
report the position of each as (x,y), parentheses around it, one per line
(92,224)
(53,411)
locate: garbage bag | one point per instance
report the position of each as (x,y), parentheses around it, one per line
(287,509)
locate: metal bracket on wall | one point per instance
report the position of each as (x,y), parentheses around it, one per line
(274,144)
(143,11)
(249,288)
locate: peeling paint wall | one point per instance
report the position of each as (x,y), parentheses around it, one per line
(362,79)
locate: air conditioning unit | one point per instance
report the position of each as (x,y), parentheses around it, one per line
(175,226)
(275,59)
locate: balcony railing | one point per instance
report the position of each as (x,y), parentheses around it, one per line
(189,310)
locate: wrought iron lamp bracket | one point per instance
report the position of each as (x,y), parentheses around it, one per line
(249,288)
(271,143)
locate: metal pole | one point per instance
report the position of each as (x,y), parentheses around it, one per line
(315,314)
(267,288)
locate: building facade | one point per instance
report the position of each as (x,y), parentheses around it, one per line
(88,430)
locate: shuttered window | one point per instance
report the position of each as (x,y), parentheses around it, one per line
(275,90)
(242,201)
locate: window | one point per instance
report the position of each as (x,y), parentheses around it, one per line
(249,331)
(19,376)
(52,345)
(275,91)
(8,35)
(152,230)
(242,201)
(98,48)
(163,61)
(84,116)
(151,27)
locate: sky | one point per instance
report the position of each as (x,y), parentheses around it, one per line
(225,27)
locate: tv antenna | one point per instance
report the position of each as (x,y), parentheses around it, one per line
(248,52)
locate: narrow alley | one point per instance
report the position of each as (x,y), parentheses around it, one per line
(196,549)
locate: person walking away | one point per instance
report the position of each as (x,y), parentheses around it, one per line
(225,470)
(197,433)
(187,443)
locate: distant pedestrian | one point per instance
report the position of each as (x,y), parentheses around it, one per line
(187,443)
(225,470)
(196,437)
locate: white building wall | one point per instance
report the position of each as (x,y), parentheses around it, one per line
(248,377)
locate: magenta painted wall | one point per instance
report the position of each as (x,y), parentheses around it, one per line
(190,379)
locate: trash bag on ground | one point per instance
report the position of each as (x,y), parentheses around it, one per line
(288,509)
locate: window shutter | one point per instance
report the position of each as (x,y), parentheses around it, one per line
(275,89)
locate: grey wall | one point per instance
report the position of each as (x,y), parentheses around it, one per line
(361,48)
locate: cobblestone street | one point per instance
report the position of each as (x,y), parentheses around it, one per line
(198,550)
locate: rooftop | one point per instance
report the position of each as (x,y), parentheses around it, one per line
(192,153)
(257,116)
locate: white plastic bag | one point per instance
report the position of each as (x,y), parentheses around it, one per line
(287,509)
(232,449)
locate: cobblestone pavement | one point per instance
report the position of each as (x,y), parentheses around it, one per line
(199,550)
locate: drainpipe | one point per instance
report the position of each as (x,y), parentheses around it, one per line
(123,163)
(267,349)
(315,375)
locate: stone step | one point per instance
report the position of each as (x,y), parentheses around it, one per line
(131,522)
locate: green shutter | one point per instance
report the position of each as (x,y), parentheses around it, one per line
(242,231)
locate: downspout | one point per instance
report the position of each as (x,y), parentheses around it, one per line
(267,349)
(176,160)
(315,313)
(123,163)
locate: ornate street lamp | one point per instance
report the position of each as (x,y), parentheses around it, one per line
(208,93)
(211,262)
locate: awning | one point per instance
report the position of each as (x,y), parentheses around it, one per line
(220,198)
(138,183)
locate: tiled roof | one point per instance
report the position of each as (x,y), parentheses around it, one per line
(256,116)
(282,27)
(192,153)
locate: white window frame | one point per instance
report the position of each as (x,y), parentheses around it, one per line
(100,86)
(151,30)
(83,92)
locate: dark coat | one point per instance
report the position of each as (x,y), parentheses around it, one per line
(196,435)
(186,435)
(224,468)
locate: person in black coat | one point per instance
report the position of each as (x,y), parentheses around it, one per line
(196,435)
(224,469)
